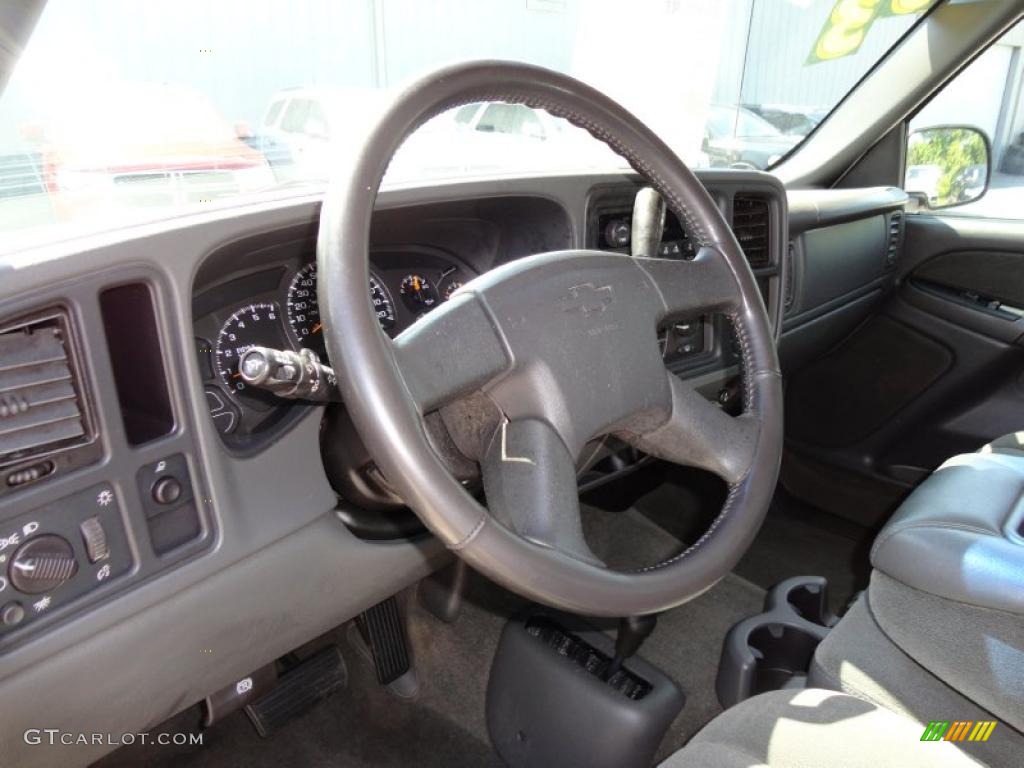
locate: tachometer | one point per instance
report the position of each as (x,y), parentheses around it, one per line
(253,325)
(304,311)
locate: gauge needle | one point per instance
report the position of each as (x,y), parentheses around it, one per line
(317,328)
(236,375)
(415,283)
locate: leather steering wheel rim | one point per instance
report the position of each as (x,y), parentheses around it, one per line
(387,389)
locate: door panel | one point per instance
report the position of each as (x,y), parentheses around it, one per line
(938,370)
(981,277)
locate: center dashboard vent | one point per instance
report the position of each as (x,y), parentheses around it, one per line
(751,223)
(41,406)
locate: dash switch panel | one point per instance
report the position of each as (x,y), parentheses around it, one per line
(172,512)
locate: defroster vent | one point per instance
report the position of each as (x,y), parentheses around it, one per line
(41,409)
(751,223)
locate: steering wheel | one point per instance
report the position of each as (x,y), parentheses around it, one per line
(534,359)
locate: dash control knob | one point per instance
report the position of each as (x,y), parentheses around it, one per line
(12,614)
(166,490)
(42,563)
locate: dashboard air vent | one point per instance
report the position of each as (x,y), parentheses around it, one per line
(895,235)
(750,224)
(40,405)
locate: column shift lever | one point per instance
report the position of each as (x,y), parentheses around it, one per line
(648,223)
(633,630)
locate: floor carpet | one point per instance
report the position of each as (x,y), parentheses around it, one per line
(795,539)
(365,725)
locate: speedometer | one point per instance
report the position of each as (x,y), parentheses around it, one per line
(304,310)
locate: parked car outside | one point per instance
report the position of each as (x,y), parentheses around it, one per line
(23,192)
(315,125)
(143,146)
(924,180)
(793,120)
(735,137)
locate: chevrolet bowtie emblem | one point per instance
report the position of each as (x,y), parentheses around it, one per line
(588,299)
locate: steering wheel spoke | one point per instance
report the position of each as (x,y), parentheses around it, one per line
(700,434)
(450,352)
(530,482)
(703,284)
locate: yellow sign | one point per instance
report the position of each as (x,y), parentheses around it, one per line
(849,22)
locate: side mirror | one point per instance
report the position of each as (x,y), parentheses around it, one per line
(947,165)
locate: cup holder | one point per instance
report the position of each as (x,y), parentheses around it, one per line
(773,650)
(783,655)
(806,596)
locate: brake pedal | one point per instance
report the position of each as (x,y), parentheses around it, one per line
(298,690)
(384,632)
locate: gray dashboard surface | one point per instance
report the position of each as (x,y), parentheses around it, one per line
(279,568)
(815,208)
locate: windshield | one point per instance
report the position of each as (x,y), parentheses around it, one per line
(119,110)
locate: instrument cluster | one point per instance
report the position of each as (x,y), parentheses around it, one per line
(277,307)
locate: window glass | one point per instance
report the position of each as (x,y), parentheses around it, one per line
(510,119)
(296,115)
(273,113)
(946,167)
(109,91)
(463,115)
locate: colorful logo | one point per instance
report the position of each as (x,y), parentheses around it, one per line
(848,24)
(958,730)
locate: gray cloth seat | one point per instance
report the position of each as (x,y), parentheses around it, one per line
(814,728)
(1012,443)
(959,534)
(948,580)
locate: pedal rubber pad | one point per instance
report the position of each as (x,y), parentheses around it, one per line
(298,690)
(384,632)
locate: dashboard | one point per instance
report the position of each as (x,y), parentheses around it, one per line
(262,291)
(246,552)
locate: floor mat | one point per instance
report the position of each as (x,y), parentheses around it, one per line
(797,540)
